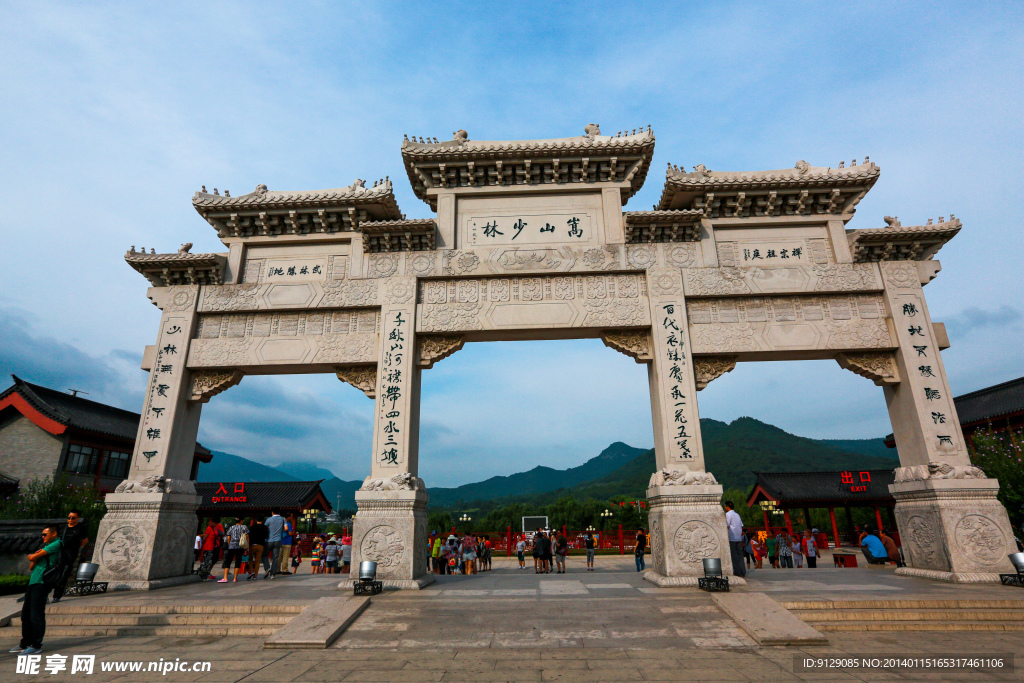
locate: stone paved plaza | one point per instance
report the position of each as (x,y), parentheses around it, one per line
(514,625)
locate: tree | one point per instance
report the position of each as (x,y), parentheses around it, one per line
(999,455)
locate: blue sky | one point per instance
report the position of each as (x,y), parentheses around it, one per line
(115,113)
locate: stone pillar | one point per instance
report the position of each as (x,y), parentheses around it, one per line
(145,539)
(686,517)
(951,525)
(390,525)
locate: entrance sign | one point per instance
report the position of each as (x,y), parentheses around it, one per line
(529,241)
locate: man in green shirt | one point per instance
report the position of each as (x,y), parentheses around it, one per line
(33,613)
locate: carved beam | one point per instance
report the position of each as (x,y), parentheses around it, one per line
(708,368)
(362,377)
(432,348)
(208,383)
(634,343)
(880,368)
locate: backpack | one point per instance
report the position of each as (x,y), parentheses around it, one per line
(55,573)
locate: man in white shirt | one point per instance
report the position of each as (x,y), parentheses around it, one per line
(735,524)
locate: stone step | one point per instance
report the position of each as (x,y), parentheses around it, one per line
(144,631)
(903,604)
(93,608)
(163,620)
(918,626)
(919,615)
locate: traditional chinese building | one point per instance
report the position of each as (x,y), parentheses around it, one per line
(258,499)
(805,491)
(46,433)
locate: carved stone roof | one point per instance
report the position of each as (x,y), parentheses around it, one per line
(803,190)
(164,270)
(266,212)
(585,159)
(896,242)
(662,226)
(405,235)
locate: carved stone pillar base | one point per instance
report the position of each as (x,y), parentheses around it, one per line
(391,529)
(953,530)
(145,540)
(687,525)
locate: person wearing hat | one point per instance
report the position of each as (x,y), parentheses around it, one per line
(346,554)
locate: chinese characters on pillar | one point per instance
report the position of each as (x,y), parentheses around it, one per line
(670,322)
(162,390)
(925,372)
(394,366)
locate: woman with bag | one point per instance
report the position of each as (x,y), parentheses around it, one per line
(237,534)
(561,550)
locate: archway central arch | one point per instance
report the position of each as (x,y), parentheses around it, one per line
(530,242)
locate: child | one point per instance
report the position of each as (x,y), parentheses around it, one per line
(314,563)
(296,558)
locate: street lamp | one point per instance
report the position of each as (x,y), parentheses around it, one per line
(591,528)
(465,518)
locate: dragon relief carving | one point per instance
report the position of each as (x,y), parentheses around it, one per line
(676,477)
(708,368)
(634,343)
(403,481)
(539,259)
(244,297)
(716,281)
(208,383)
(880,368)
(362,377)
(432,349)
(938,470)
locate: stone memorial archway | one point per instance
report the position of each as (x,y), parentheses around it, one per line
(530,241)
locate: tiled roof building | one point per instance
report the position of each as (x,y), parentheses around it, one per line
(44,432)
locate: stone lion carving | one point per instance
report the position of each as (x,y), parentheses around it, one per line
(156,484)
(671,477)
(400,482)
(938,470)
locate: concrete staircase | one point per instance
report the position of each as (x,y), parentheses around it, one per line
(911,615)
(68,619)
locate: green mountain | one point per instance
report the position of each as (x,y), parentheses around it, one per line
(228,467)
(732,452)
(539,479)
